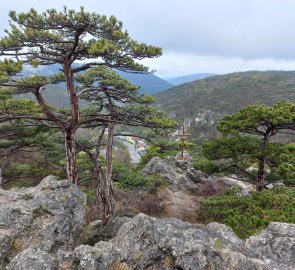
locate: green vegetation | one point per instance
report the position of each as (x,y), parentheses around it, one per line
(287,164)
(226,94)
(77,142)
(164,148)
(133,179)
(249,215)
(205,165)
(60,40)
(247,137)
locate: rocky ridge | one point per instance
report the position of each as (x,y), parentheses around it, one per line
(165,244)
(40,229)
(178,173)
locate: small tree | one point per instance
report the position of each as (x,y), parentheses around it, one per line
(63,38)
(115,102)
(261,123)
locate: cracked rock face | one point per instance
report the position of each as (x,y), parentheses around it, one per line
(150,243)
(40,228)
(178,173)
(37,222)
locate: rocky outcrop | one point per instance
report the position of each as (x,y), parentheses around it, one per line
(38,223)
(165,244)
(186,185)
(181,175)
(178,173)
(245,187)
(40,229)
(96,232)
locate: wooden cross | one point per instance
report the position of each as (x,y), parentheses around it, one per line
(182,138)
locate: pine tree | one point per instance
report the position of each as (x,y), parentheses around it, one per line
(63,38)
(248,134)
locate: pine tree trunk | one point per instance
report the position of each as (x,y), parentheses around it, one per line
(70,131)
(107,188)
(1,179)
(97,179)
(72,172)
(260,174)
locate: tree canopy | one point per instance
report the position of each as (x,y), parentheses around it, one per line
(86,47)
(247,137)
(52,37)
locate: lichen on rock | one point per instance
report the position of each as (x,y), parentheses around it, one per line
(36,222)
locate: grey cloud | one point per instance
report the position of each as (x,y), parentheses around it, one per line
(244,29)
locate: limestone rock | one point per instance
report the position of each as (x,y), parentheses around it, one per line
(96,232)
(165,244)
(276,242)
(178,173)
(238,183)
(36,222)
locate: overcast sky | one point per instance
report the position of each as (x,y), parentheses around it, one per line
(197,36)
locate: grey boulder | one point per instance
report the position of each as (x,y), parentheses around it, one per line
(36,222)
(178,173)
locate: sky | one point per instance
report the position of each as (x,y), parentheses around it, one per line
(197,36)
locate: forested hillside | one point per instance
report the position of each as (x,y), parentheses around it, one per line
(203,102)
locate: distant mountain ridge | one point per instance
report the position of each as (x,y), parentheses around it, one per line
(188,78)
(57,94)
(202,103)
(148,83)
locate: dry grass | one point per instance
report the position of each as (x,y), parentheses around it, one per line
(151,204)
(17,245)
(118,266)
(206,190)
(169,262)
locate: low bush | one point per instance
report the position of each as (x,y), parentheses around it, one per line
(248,215)
(130,178)
(151,204)
(205,165)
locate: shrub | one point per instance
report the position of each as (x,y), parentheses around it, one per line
(129,178)
(150,204)
(205,165)
(248,215)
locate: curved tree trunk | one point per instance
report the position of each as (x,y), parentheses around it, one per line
(70,131)
(260,174)
(72,172)
(107,188)
(1,179)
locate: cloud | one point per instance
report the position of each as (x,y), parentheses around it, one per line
(231,28)
(177,64)
(237,33)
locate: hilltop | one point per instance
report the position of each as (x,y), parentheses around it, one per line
(203,102)
(188,78)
